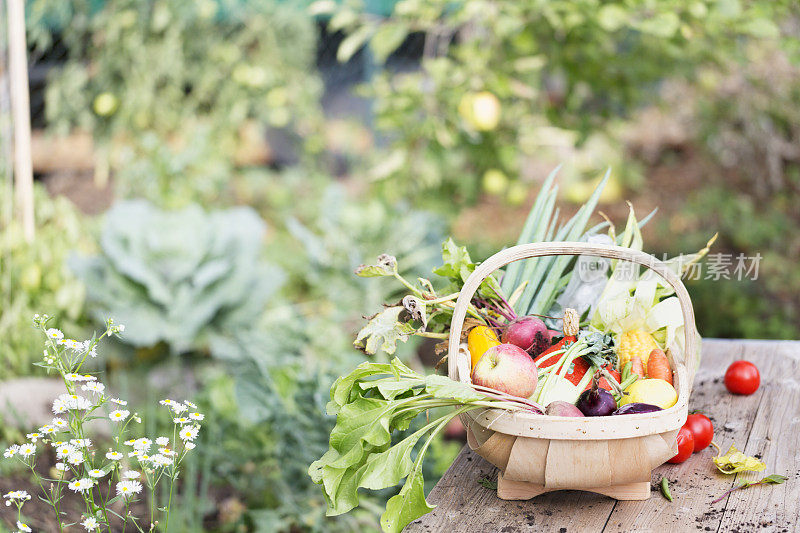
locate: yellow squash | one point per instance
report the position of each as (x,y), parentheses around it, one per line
(653,391)
(480,339)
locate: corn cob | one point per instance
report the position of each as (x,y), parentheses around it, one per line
(635,343)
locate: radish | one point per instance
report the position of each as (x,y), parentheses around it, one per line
(529,333)
(562,408)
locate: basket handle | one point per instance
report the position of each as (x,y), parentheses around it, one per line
(542,249)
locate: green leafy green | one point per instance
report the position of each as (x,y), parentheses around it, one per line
(361,453)
(182,277)
(383,331)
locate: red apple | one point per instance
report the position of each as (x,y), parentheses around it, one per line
(507,368)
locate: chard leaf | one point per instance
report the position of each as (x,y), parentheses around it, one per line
(735,461)
(386,265)
(343,386)
(406,506)
(392,387)
(388,468)
(383,331)
(446,388)
(773,479)
(365,419)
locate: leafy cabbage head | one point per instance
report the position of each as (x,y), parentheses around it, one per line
(179,277)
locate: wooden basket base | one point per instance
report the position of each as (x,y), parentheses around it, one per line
(521,490)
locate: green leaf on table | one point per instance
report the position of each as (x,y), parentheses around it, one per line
(386,265)
(773,479)
(487,483)
(383,331)
(446,388)
(735,461)
(406,506)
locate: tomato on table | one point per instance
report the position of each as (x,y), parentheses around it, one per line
(702,430)
(742,377)
(685,446)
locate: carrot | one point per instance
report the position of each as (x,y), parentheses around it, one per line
(658,366)
(637,367)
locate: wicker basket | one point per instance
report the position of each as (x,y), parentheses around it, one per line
(537,454)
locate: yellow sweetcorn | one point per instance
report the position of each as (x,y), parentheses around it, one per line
(633,343)
(480,339)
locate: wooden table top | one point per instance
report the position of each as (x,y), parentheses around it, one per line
(765,424)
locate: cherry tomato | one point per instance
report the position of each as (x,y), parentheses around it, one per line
(685,446)
(702,430)
(742,377)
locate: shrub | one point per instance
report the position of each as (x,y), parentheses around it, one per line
(35,276)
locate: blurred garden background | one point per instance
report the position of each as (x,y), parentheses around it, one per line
(211,172)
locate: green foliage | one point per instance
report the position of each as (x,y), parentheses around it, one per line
(168,86)
(504,82)
(35,277)
(186,278)
(746,122)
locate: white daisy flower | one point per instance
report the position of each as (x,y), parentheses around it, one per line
(190,445)
(90,523)
(131,474)
(94,386)
(178,408)
(89,377)
(196,416)
(33,437)
(161,460)
(114,456)
(11,451)
(81,443)
(166,451)
(22,526)
(47,429)
(59,423)
(188,433)
(118,415)
(181,420)
(143,444)
(162,441)
(26,450)
(54,334)
(167,402)
(17,495)
(59,406)
(80,485)
(61,467)
(75,458)
(96,473)
(73,377)
(190,404)
(64,450)
(128,488)
(118,401)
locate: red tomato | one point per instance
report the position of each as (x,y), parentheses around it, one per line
(685,446)
(702,430)
(742,377)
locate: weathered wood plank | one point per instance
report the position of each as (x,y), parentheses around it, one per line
(765,423)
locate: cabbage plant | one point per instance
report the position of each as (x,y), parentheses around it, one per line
(182,277)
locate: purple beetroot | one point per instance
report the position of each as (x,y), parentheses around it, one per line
(529,333)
